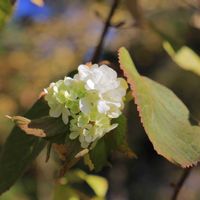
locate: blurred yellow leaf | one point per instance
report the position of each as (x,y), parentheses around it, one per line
(39,3)
(65,192)
(185,57)
(98,184)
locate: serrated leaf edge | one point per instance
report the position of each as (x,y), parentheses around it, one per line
(134,93)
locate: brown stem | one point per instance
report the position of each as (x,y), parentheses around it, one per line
(98,50)
(180,183)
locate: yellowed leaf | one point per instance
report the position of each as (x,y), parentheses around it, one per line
(185,57)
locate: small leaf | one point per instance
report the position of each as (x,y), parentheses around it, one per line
(20,149)
(165,118)
(185,57)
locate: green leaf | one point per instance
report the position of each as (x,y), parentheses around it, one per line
(99,155)
(110,142)
(56,132)
(185,58)
(165,118)
(116,140)
(5,11)
(117,137)
(20,149)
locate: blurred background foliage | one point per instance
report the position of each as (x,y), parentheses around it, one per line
(41,43)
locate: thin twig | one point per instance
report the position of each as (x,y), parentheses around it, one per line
(99,47)
(180,183)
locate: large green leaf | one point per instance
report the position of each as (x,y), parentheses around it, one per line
(57,133)
(165,118)
(20,149)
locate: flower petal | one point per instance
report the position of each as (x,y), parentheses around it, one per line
(74,135)
(90,85)
(55,111)
(85,105)
(102,106)
(65,115)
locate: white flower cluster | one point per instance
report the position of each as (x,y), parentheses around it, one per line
(90,100)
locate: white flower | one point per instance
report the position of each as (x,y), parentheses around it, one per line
(101,78)
(90,128)
(92,98)
(110,89)
(56,102)
(63,97)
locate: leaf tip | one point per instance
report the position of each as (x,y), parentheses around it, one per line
(120,50)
